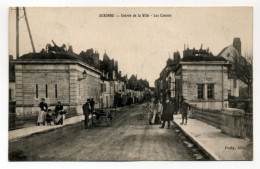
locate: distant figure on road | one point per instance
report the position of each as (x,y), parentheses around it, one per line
(42,113)
(167,114)
(86,112)
(157,112)
(151,106)
(184,111)
(175,105)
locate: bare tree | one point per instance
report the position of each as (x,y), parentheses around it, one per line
(243,70)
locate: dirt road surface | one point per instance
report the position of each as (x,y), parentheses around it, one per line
(129,139)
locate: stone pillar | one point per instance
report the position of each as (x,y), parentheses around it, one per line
(19,89)
(73,88)
(232,121)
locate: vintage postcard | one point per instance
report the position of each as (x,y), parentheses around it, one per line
(130,84)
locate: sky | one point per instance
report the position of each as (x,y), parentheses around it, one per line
(141,45)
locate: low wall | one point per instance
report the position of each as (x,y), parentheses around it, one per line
(234,122)
(211,117)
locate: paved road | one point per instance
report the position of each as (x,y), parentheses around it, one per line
(131,138)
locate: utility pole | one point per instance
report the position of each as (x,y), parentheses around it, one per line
(17,32)
(27,23)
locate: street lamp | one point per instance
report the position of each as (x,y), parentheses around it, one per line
(84,75)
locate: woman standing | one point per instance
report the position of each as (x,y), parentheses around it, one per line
(59,117)
(151,106)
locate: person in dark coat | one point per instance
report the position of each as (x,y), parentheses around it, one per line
(167,113)
(86,112)
(184,110)
(92,105)
(42,113)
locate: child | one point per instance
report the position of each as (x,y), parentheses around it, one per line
(49,117)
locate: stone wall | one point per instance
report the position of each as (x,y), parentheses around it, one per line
(211,117)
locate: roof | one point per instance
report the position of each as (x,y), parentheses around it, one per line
(43,56)
(204,58)
(222,51)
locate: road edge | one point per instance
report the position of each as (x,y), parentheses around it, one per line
(209,154)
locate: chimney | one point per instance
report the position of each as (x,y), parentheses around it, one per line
(114,75)
(237,44)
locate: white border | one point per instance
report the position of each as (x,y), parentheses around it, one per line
(113,165)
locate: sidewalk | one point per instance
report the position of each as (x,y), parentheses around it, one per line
(217,145)
(19,133)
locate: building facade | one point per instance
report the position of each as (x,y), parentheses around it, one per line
(203,84)
(54,77)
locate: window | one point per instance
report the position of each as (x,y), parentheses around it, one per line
(210,90)
(56,90)
(46,91)
(10,94)
(235,83)
(229,93)
(37,91)
(105,87)
(200,91)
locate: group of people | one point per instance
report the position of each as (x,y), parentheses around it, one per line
(46,115)
(88,108)
(161,113)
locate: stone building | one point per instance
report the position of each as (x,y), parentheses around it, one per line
(107,98)
(64,77)
(203,81)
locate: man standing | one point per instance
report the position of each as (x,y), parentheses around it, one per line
(184,110)
(42,113)
(92,105)
(167,114)
(86,111)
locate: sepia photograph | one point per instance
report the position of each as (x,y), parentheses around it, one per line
(130,84)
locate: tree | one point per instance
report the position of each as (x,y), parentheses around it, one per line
(243,70)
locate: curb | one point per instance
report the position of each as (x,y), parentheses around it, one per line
(41,131)
(211,155)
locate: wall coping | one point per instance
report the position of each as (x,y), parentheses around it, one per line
(233,112)
(207,110)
